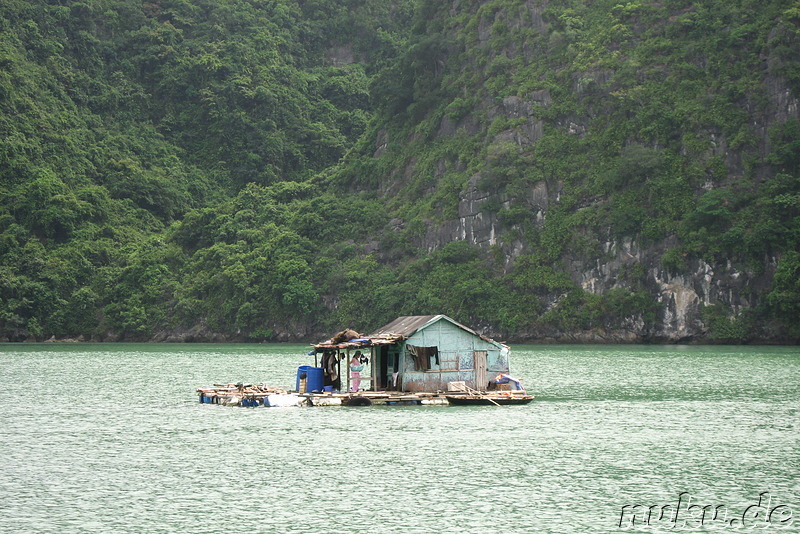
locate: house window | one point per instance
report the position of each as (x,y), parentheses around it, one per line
(423,357)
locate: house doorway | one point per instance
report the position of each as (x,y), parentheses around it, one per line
(382,367)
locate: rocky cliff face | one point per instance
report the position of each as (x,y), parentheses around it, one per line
(545,79)
(680,296)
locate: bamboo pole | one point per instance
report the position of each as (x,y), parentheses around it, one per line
(479,394)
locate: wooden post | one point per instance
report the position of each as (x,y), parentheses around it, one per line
(401,363)
(372,367)
(347,366)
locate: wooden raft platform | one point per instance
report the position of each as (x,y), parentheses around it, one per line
(260,395)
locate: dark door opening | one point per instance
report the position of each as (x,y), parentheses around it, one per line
(383,367)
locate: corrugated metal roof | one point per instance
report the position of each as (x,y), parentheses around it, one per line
(399,329)
(404,326)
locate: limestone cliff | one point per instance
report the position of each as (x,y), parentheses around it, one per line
(633,146)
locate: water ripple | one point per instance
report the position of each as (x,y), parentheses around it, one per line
(110,438)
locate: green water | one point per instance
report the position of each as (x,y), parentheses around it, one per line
(111,438)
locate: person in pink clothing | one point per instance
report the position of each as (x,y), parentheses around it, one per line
(355,371)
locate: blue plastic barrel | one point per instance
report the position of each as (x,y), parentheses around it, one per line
(313,376)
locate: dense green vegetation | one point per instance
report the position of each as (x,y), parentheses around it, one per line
(119,119)
(658,122)
(257,168)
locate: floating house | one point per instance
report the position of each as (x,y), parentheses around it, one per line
(420,353)
(419,359)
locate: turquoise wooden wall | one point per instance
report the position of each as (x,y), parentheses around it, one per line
(456,358)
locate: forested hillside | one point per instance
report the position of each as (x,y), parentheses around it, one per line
(280,169)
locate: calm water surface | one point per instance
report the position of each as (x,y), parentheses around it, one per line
(111,438)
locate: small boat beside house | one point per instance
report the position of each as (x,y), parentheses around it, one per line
(486,399)
(421,359)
